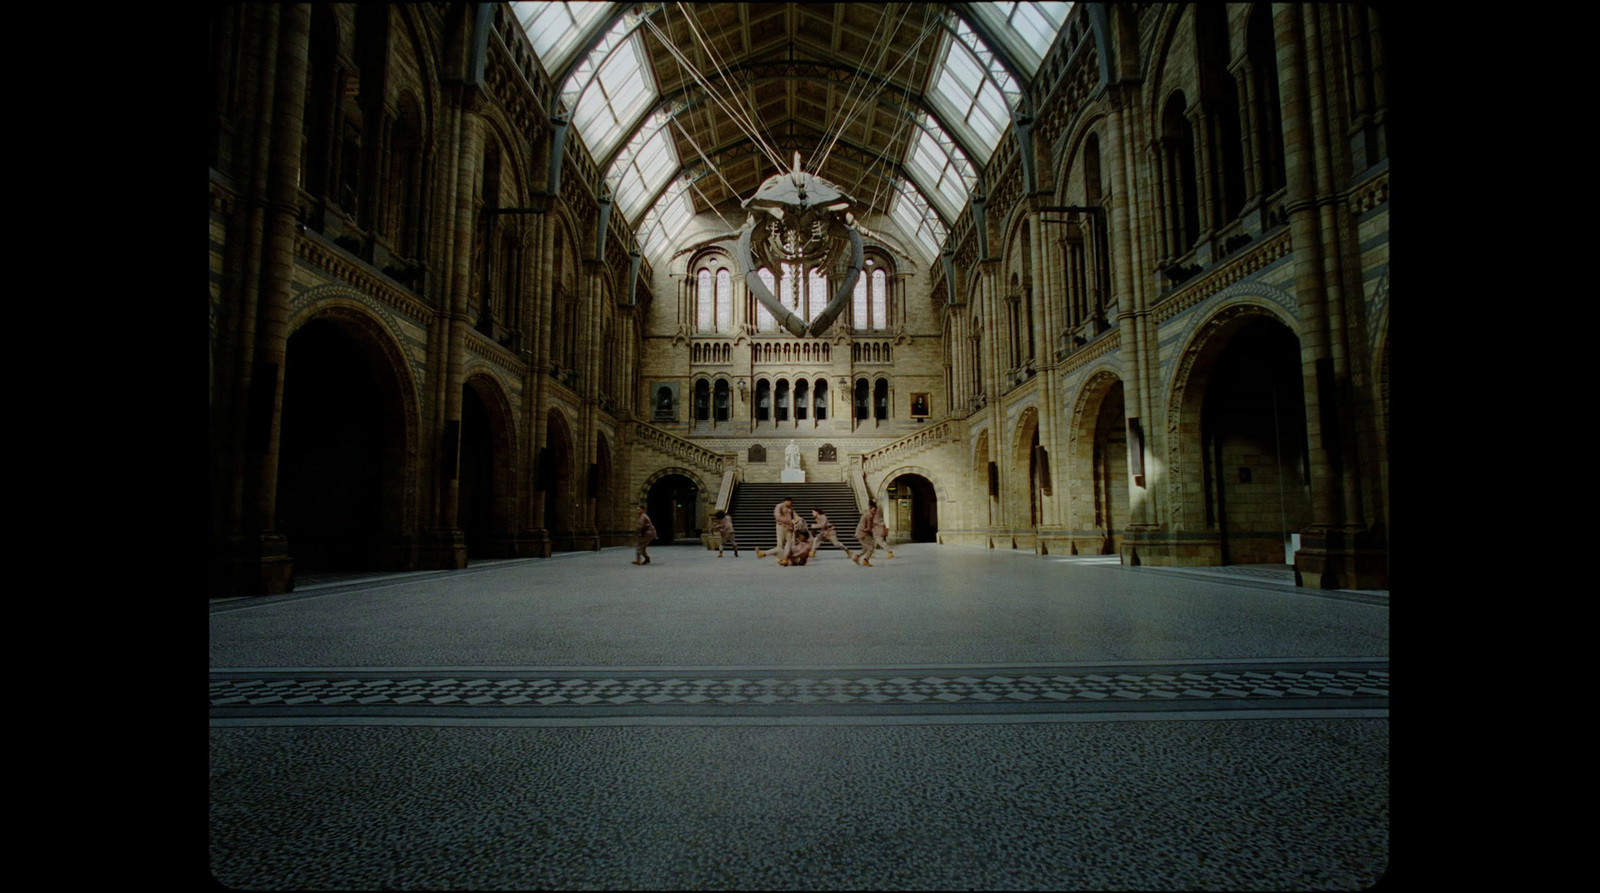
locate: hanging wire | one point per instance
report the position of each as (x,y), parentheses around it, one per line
(723,66)
(747,122)
(928,27)
(710,90)
(851,101)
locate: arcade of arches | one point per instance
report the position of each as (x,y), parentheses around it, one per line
(1150,320)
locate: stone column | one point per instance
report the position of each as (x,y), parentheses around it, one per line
(255,559)
(1338,550)
(447,546)
(539,422)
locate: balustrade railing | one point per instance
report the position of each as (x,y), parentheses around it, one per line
(883,455)
(673,445)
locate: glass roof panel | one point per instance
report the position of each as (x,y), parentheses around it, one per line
(611,102)
(962,93)
(555,28)
(1027,30)
(917,219)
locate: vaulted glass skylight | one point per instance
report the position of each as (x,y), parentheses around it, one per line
(917,219)
(940,168)
(970,90)
(555,28)
(1026,29)
(669,217)
(610,88)
(641,168)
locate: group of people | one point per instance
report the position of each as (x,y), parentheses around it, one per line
(797,541)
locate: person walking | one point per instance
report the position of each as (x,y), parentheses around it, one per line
(873,533)
(825,531)
(641,542)
(785,519)
(723,525)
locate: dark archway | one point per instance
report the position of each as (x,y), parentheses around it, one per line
(339,449)
(673,505)
(475,508)
(1253,436)
(485,502)
(916,508)
(561,509)
(1109,469)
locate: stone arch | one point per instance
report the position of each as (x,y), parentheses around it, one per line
(923,524)
(563,508)
(1185,394)
(1197,481)
(1166,70)
(391,455)
(315,301)
(1069,156)
(1022,490)
(1095,465)
(606,509)
(675,512)
(487,494)
(982,517)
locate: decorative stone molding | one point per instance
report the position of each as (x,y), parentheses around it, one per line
(496,354)
(1268,252)
(1370,194)
(340,265)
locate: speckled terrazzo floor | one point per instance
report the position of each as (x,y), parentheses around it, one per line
(950,719)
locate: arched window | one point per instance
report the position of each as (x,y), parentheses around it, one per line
(702,400)
(704,322)
(1267,130)
(724,301)
(783,400)
(765,321)
(870,309)
(722,400)
(861,399)
(1178,161)
(819,399)
(788,289)
(763,400)
(880,399)
(801,400)
(816,293)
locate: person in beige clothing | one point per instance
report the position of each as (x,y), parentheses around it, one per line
(722,523)
(824,531)
(873,532)
(646,532)
(786,520)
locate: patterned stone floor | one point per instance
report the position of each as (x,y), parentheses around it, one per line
(950,719)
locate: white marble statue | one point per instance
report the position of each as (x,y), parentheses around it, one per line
(791,455)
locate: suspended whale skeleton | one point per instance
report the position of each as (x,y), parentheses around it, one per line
(808,222)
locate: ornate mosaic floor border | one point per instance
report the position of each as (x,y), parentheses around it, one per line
(592,692)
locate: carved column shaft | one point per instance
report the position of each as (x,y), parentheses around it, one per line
(277,267)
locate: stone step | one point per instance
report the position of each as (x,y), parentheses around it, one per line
(751,506)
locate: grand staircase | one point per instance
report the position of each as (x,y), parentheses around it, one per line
(751,507)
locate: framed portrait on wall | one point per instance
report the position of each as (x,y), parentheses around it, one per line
(921,404)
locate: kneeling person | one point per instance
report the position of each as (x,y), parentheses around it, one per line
(799,550)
